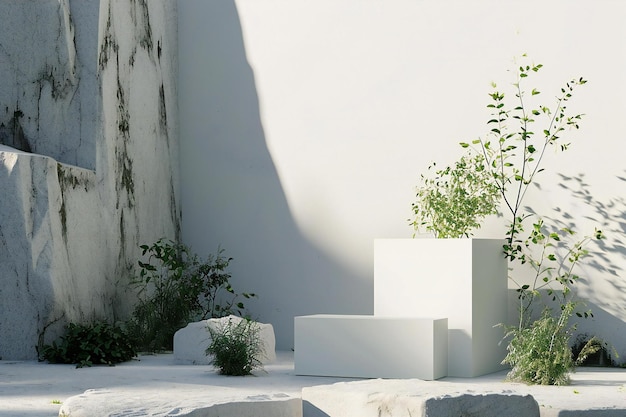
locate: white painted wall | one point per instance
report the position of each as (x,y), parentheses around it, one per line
(305,126)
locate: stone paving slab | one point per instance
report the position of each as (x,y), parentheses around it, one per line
(414,397)
(181,400)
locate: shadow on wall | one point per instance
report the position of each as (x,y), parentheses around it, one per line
(601,285)
(231,192)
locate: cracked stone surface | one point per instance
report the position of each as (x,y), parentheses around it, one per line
(48,100)
(88,159)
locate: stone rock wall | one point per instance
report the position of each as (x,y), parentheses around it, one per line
(49,102)
(88,159)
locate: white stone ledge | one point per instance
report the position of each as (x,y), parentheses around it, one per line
(411,397)
(205,401)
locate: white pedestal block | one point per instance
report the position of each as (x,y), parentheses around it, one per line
(371,347)
(464,280)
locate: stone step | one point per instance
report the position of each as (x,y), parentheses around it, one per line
(411,398)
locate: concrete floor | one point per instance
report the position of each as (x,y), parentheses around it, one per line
(155,385)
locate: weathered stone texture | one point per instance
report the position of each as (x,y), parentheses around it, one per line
(89,88)
(48,100)
(413,397)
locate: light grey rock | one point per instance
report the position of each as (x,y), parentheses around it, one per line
(196,402)
(191,342)
(89,87)
(49,100)
(412,397)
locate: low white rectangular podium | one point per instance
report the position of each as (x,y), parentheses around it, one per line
(371,347)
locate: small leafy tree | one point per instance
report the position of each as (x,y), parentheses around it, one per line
(509,160)
(538,350)
(514,153)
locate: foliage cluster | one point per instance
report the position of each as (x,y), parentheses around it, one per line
(509,159)
(236,347)
(98,343)
(175,287)
(456,199)
(540,353)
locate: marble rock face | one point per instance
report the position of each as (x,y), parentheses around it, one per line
(88,159)
(191,342)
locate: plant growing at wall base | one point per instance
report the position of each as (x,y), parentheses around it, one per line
(236,347)
(98,343)
(176,287)
(540,353)
(217,297)
(538,350)
(510,158)
(166,296)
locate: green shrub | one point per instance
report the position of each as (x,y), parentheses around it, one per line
(456,199)
(166,297)
(540,353)
(176,287)
(236,347)
(98,343)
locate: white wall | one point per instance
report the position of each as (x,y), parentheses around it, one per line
(305,126)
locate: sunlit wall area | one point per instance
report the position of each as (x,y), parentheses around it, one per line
(305,127)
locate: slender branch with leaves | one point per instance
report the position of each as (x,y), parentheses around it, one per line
(507,162)
(538,350)
(553,267)
(514,153)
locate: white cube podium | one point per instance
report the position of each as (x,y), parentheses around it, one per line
(371,347)
(464,280)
